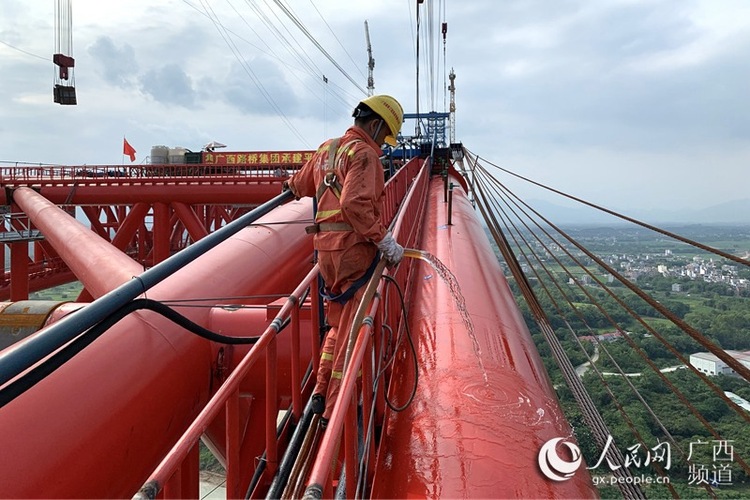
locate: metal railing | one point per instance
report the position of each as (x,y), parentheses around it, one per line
(343,424)
(176,476)
(64,174)
(176,472)
(17,227)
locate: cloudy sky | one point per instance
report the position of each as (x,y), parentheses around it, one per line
(621,102)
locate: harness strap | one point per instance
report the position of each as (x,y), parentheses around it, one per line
(328,226)
(347,294)
(330,180)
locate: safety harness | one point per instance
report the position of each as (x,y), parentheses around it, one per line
(330,181)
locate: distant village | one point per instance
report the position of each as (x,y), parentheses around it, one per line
(638,267)
(634,267)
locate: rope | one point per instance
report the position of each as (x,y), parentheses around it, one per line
(601,346)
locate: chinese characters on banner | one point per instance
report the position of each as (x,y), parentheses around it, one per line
(291,159)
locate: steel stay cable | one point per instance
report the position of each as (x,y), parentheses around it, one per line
(590,412)
(356,65)
(553,300)
(638,318)
(549,294)
(286,41)
(598,343)
(317,44)
(248,70)
(270,52)
(638,350)
(621,409)
(299,53)
(572,306)
(695,334)
(594,301)
(707,248)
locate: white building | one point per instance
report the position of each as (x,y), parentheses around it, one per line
(741,402)
(711,365)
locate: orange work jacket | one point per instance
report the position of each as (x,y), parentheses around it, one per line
(352,204)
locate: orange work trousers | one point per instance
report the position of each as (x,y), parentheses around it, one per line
(333,353)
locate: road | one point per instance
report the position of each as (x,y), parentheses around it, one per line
(583,368)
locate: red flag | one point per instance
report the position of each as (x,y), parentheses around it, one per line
(127,149)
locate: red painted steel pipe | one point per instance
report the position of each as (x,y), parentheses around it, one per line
(484,405)
(166,191)
(227,396)
(97,264)
(101,423)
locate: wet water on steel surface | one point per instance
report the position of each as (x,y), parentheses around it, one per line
(450,280)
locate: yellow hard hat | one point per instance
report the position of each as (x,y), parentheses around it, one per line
(390,111)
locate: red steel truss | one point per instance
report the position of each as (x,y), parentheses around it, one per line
(148,211)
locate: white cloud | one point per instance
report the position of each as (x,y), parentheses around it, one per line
(575,91)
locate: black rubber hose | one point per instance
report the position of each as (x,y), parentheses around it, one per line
(287,462)
(15,360)
(56,360)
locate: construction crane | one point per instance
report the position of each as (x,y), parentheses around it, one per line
(64,91)
(370,63)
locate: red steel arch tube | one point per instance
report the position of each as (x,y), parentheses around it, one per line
(100,424)
(484,405)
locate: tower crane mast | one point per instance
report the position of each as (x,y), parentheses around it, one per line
(370,63)
(452,89)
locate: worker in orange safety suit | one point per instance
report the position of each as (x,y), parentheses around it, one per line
(346,177)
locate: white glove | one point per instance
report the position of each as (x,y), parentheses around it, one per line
(391,250)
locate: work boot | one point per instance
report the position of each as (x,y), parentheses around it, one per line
(318,405)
